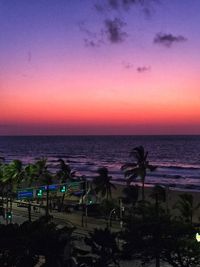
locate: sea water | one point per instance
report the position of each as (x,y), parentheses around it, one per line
(177,157)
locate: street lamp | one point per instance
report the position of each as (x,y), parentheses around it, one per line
(113,211)
(121,210)
(197,237)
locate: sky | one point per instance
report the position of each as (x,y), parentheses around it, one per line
(74,67)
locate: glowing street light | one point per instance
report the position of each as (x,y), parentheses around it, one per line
(197,237)
(63,188)
(39,192)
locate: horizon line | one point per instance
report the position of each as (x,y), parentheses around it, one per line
(70,135)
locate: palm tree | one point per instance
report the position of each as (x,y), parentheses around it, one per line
(65,174)
(159,195)
(103,183)
(130,195)
(2,184)
(30,173)
(43,175)
(13,176)
(138,168)
(104,250)
(2,187)
(186,207)
(2,160)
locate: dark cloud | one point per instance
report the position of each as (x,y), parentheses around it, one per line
(127,65)
(91,39)
(92,43)
(114,3)
(126,4)
(168,39)
(99,8)
(83,28)
(143,69)
(114,30)
(147,12)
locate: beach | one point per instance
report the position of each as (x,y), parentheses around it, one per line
(172,196)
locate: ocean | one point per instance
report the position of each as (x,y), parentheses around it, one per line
(177,157)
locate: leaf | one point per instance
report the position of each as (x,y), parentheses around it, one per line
(128,165)
(129,173)
(151,167)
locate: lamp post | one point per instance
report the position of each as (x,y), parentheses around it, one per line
(121,210)
(110,216)
(84,205)
(198,237)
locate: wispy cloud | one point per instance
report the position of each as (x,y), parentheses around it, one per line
(143,69)
(168,39)
(127,65)
(126,4)
(92,43)
(83,28)
(91,39)
(114,30)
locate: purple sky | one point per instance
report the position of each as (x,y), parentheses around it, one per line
(99,67)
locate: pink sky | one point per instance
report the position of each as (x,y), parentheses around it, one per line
(53,83)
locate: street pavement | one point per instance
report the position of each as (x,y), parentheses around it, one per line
(75,219)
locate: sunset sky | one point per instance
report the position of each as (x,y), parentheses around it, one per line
(99,67)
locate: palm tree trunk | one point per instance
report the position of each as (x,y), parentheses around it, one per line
(10,203)
(143,199)
(157,254)
(47,203)
(157,236)
(143,194)
(157,260)
(29,211)
(7,200)
(62,201)
(11,190)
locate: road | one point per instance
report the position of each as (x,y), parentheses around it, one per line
(75,219)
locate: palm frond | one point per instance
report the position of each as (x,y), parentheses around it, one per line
(113,186)
(128,166)
(151,167)
(131,179)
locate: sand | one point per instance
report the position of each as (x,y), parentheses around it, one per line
(172,196)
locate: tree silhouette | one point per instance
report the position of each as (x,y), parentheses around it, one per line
(186,207)
(103,250)
(65,174)
(138,168)
(103,183)
(13,175)
(43,175)
(25,244)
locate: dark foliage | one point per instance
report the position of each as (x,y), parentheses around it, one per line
(24,245)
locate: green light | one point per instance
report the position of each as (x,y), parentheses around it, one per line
(63,189)
(9,215)
(39,192)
